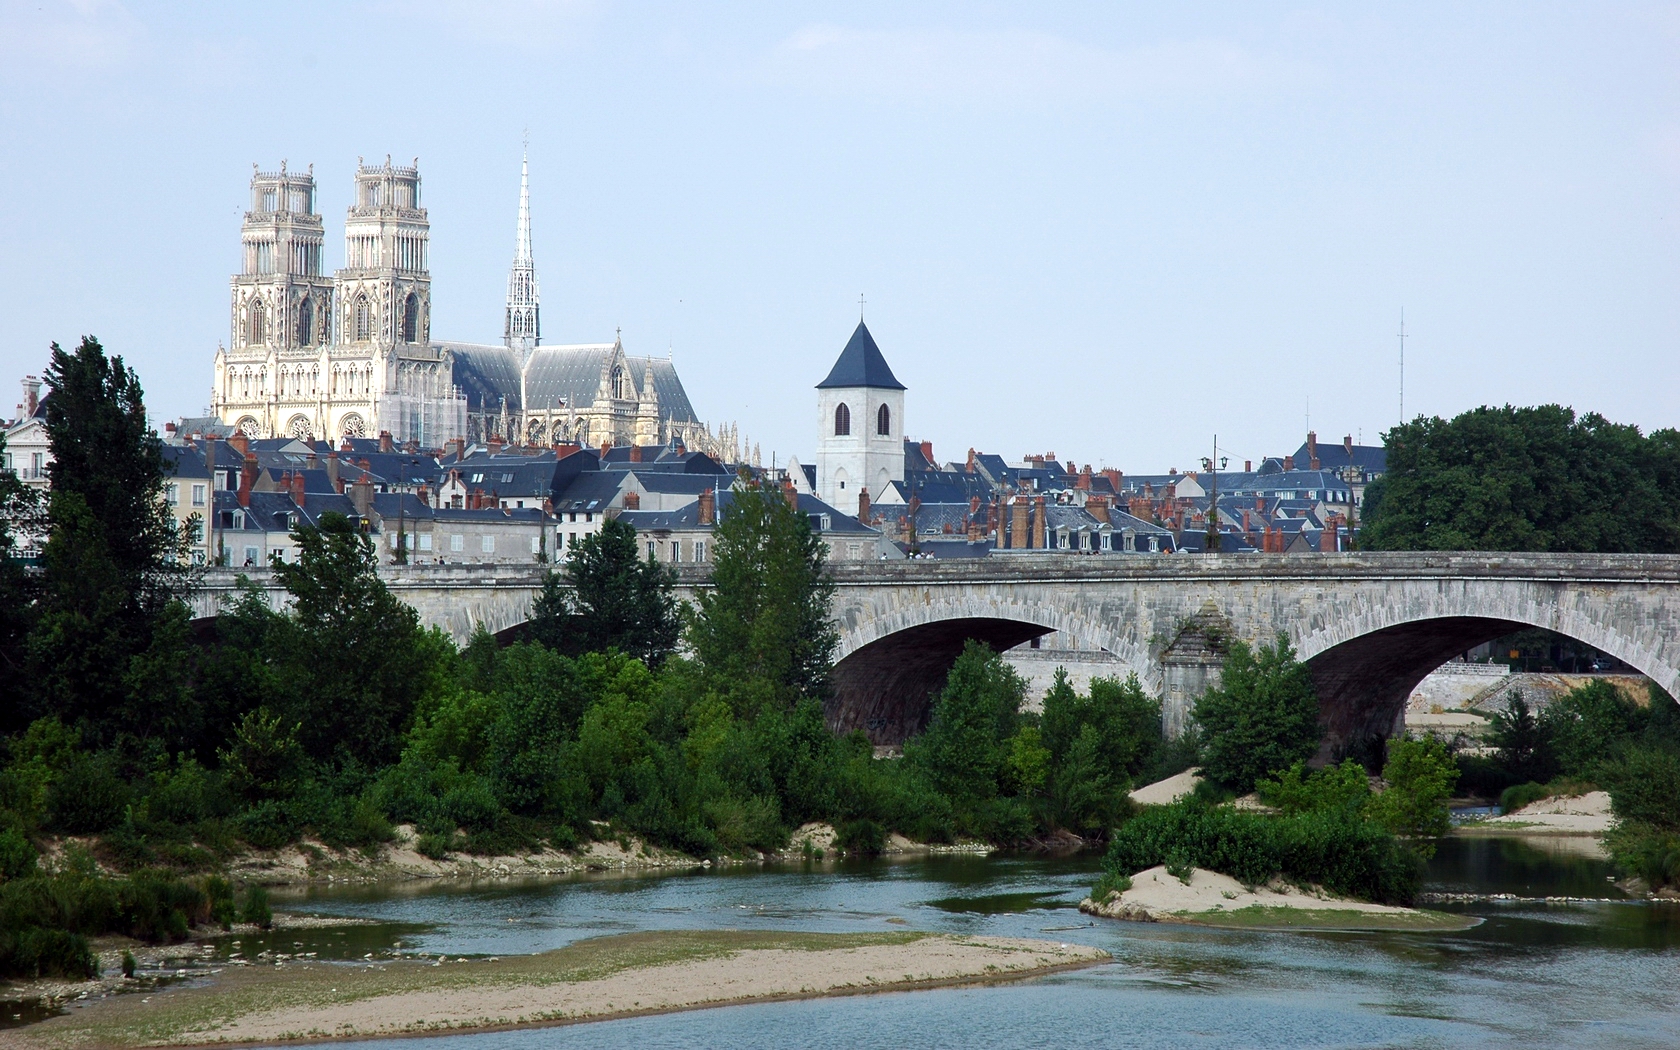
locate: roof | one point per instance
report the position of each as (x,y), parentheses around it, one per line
(573,376)
(861,364)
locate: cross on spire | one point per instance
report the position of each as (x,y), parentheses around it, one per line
(860,307)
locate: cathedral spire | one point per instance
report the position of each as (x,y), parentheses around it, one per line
(523,330)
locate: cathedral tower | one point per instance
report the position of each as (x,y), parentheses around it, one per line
(522,330)
(860,420)
(282,305)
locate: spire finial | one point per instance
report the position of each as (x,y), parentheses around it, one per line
(523,331)
(860,308)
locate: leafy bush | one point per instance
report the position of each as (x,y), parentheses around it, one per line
(1343,788)
(1261,718)
(89,795)
(1341,852)
(1420,776)
(860,838)
(17,855)
(1645,787)
(268,825)
(256,909)
(1517,796)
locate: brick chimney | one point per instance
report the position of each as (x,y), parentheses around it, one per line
(1248,466)
(460,446)
(297,488)
(385,442)
(495,445)
(863,503)
(1038,523)
(561,451)
(345,445)
(1312,450)
(973,464)
(632,500)
(1327,538)
(1115,479)
(1097,507)
(927,452)
(241,444)
(1347,444)
(1018,534)
(1083,483)
(361,495)
(708,507)
(789,493)
(247,478)
(332,472)
(31,395)
(635,453)
(1289,463)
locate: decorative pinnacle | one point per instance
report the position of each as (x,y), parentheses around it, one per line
(522,245)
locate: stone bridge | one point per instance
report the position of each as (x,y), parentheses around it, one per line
(1370,626)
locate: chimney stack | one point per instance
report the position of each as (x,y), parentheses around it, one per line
(31,395)
(1289,463)
(973,464)
(344,445)
(1248,466)
(927,453)
(708,507)
(460,446)
(1084,481)
(297,488)
(1038,523)
(385,443)
(863,504)
(1097,507)
(789,493)
(332,473)
(495,445)
(1018,534)
(361,495)
(632,500)
(240,442)
(247,478)
(1115,479)
(635,453)
(1347,444)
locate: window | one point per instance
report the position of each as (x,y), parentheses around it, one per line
(842,420)
(588,516)
(411,319)
(259,321)
(574,539)
(487,544)
(305,322)
(198,495)
(883,422)
(251,555)
(457,542)
(699,550)
(620,389)
(676,550)
(853,550)
(363,320)
(172,493)
(650,550)
(425,541)
(1062,540)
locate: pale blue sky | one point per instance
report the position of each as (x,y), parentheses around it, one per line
(1104,229)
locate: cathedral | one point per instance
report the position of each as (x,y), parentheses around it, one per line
(352,355)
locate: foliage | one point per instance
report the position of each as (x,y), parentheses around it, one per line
(20,508)
(618,601)
(966,747)
(1589,724)
(1420,776)
(763,634)
(1333,789)
(1335,849)
(1261,718)
(1523,743)
(1525,479)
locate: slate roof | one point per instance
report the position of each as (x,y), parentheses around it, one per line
(573,375)
(688,517)
(591,490)
(861,364)
(1370,459)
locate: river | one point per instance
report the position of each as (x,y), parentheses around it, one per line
(1534,973)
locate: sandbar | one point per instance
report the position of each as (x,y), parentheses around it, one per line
(599,979)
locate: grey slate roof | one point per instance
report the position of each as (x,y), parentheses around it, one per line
(861,364)
(574,375)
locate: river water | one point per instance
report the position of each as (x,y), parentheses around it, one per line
(1534,973)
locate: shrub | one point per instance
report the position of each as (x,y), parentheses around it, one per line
(1645,787)
(861,838)
(218,893)
(1261,718)
(1333,849)
(89,795)
(1517,796)
(1420,776)
(256,909)
(267,825)
(17,855)
(1333,788)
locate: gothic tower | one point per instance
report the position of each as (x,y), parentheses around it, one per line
(384,290)
(281,310)
(522,330)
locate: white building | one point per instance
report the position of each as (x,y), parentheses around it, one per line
(860,424)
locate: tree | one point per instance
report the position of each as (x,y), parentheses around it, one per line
(617,600)
(19,510)
(107,653)
(1420,776)
(967,746)
(1590,724)
(1525,479)
(350,660)
(1523,743)
(764,633)
(1261,718)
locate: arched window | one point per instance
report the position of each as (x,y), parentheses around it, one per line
(364,319)
(411,318)
(842,420)
(618,383)
(305,322)
(259,322)
(883,422)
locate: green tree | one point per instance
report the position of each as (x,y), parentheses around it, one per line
(764,633)
(1343,788)
(350,660)
(618,601)
(1523,744)
(1590,725)
(1261,718)
(1525,479)
(967,746)
(107,655)
(1420,777)
(19,510)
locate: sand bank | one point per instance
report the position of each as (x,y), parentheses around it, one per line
(1212,899)
(591,980)
(1587,814)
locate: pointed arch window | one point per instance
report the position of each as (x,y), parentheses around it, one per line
(411,319)
(259,322)
(305,322)
(883,422)
(363,319)
(618,384)
(842,420)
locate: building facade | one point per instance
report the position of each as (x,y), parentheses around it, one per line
(860,424)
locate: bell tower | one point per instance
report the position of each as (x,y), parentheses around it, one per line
(860,421)
(385,288)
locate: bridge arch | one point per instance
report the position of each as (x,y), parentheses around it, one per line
(891,662)
(1369,654)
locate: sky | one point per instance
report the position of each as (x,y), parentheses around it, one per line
(1109,231)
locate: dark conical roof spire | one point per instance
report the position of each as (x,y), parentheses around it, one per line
(861,364)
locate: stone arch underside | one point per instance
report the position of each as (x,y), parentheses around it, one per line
(1368,657)
(892,661)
